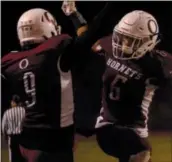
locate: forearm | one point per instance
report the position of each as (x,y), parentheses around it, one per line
(80,24)
(95,29)
(81,46)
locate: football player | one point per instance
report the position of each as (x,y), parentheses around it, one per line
(134,71)
(41,74)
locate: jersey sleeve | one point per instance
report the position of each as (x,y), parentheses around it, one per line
(163,68)
(95,29)
(79,23)
(164,77)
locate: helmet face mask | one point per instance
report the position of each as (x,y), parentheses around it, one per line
(134,36)
(36,25)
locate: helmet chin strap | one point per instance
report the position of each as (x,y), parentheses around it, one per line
(157,42)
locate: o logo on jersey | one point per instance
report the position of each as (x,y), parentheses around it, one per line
(23,64)
(152,26)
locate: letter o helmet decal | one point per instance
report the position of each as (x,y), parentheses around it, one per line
(152,26)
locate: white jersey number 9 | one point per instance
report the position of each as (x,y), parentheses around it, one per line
(29,86)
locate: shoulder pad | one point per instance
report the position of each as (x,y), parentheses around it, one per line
(6,56)
(166,60)
(162,53)
(106,43)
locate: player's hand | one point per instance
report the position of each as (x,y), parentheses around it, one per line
(68,7)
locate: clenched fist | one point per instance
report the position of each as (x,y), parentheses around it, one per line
(68,7)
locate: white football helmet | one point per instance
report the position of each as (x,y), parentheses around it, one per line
(36,25)
(135,34)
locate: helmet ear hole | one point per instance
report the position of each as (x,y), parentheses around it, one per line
(45,37)
(52,33)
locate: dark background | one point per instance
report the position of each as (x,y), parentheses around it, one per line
(11,11)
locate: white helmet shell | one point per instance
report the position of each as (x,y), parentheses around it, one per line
(36,25)
(134,35)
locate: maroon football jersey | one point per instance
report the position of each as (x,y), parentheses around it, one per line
(35,75)
(129,86)
(45,90)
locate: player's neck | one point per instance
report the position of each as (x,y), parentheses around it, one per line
(29,46)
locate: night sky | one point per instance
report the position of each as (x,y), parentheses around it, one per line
(11,12)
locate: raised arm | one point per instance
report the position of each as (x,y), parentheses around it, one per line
(69,9)
(95,29)
(78,51)
(80,24)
